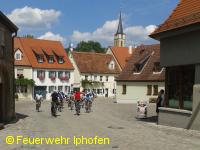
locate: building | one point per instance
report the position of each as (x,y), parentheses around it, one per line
(7,104)
(95,71)
(120,37)
(23,68)
(179,37)
(142,76)
(120,54)
(47,64)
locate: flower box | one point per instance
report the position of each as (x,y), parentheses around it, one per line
(64,78)
(41,77)
(53,78)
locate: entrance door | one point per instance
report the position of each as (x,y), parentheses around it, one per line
(40,90)
(106,91)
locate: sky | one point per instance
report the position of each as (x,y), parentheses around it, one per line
(82,20)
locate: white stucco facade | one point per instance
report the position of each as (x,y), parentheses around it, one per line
(27,73)
(47,85)
(136,91)
(108,87)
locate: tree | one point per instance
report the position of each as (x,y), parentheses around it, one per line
(28,36)
(90,46)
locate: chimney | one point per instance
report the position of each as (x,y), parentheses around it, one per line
(130,49)
(71,47)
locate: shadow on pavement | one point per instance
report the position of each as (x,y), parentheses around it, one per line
(152,119)
(17,118)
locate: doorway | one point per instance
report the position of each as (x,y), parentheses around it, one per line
(106,91)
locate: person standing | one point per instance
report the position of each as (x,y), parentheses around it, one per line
(160,100)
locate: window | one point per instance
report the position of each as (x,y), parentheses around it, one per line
(114,91)
(63,75)
(99,91)
(41,74)
(95,78)
(60,60)
(20,72)
(155,89)
(67,89)
(52,88)
(101,78)
(138,66)
(52,75)
(124,89)
(18,56)
(157,67)
(51,60)
(179,86)
(40,58)
(149,89)
(60,88)
(21,89)
(106,78)
(86,77)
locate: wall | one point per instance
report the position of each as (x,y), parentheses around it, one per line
(27,71)
(48,82)
(7,76)
(77,75)
(135,91)
(181,50)
(110,84)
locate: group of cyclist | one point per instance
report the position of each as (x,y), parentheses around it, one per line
(74,99)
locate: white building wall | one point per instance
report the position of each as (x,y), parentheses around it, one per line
(57,82)
(135,91)
(110,84)
(27,73)
(77,75)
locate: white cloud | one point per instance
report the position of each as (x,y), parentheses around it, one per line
(105,34)
(29,17)
(52,36)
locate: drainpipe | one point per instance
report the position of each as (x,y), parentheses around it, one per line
(15,35)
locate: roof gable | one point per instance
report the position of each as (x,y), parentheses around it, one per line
(187,12)
(146,55)
(89,62)
(33,47)
(121,54)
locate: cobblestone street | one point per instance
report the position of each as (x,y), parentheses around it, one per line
(108,119)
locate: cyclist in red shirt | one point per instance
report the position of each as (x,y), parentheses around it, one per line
(77,97)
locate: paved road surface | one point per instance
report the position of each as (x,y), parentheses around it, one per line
(108,119)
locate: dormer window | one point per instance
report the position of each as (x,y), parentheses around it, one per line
(140,65)
(60,60)
(112,65)
(51,60)
(157,67)
(18,55)
(40,58)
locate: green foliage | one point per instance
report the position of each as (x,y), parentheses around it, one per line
(24,81)
(90,84)
(90,46)
(28,36)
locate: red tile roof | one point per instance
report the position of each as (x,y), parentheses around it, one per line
(186,13)
(90,62)
(25,60)
(146,74)
(121,54)
(29,46)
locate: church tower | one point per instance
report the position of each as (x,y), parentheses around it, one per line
(120,37)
